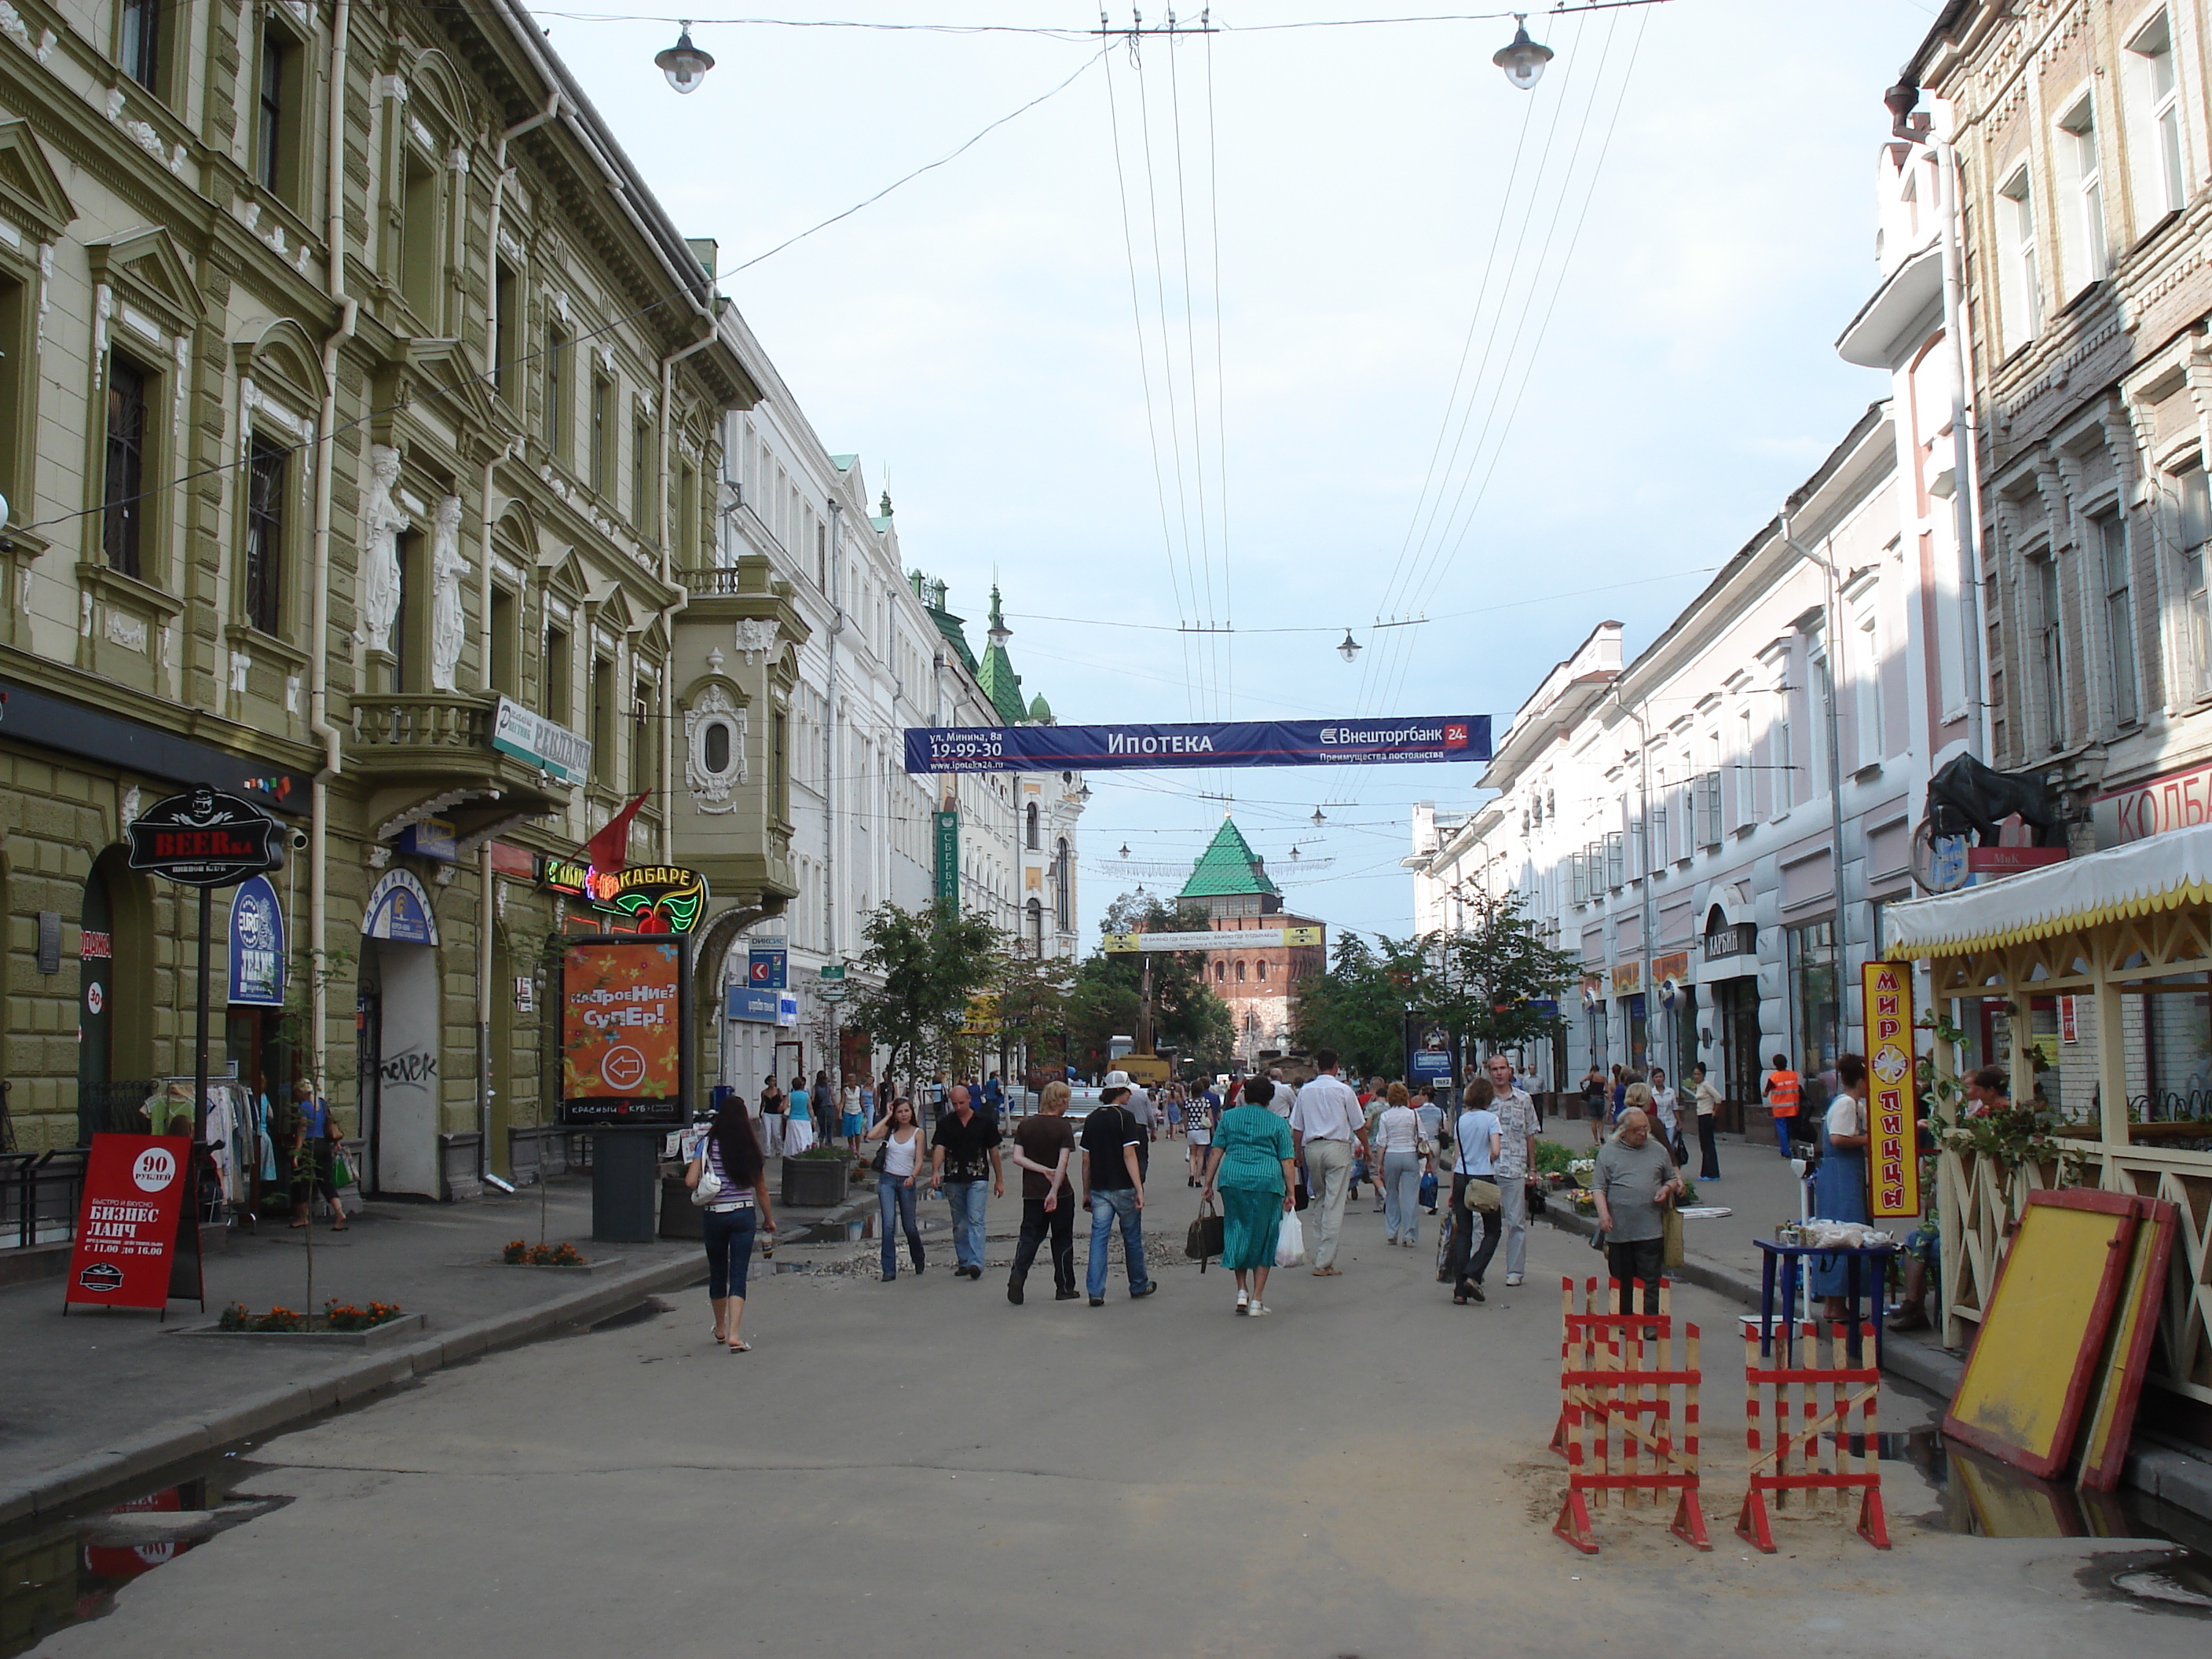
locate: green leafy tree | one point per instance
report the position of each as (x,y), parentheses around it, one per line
(1357,1006)
(1032,995)
(1480,984)
(931,962)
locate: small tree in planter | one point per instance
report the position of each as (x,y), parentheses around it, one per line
(306,991)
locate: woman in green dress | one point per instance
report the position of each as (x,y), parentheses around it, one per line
(1251,1162)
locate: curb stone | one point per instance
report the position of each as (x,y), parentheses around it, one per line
(279,1407)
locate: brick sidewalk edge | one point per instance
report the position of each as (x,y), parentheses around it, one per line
(2161,1469)
(280,1407)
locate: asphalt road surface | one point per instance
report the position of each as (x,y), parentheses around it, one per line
(919,1468)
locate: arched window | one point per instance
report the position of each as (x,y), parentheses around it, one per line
(1063,888)
(1036,924)
(1240,973)
(1032,843)
(1263,973)
(1220,972)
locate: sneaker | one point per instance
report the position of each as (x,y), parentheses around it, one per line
(1146,1290)
(1243,1302)
(1066,1296)
(1098,1301)
(1259,1311)
(1512,1281)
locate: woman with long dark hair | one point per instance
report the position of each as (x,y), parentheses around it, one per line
(895,1179)
(733,1218)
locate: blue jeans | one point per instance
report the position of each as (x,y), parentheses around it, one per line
(895,1199)
(1401,1192)
(1108,1204)
(967,1198)
(1782,1133)
(729,1235)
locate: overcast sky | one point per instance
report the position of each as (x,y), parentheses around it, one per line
(1634,275)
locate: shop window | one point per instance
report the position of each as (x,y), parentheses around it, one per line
(261,591)
(1816,1007)
(130,387)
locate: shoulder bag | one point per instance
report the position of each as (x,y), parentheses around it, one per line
(710,1184)
(882,1153)
(1205,1238)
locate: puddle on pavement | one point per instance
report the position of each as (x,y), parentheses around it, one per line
(1978,1495)
(62,1570)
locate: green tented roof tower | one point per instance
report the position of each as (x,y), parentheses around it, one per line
(1228,867)
(996,676)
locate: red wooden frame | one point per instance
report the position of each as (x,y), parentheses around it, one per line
(2164,1219)
(2044,1465)
(1849,1471)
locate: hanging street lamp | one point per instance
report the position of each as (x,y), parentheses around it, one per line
(683,64)
(1522,59)
(1350,649)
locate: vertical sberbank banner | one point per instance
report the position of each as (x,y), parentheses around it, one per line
(948,858)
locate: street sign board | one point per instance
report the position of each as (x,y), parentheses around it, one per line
(767,969)
(126,1230)
(1430,1066)
(206,837)
(1892,1154)
(1242,743)
(832,991)
(831,970)
(1234,939)
(256,945)
(622,1005)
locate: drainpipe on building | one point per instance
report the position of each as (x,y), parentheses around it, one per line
(830,792)
(318,722)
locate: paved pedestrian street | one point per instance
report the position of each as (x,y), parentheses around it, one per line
(919,1467)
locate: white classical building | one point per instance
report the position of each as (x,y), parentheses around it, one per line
(882,654)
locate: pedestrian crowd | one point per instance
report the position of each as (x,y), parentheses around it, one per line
(1278,1164)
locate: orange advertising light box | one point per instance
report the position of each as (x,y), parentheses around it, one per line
(621,1029)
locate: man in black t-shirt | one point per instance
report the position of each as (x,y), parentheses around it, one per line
(1044,1147)
(964,1153)
(1114,1189)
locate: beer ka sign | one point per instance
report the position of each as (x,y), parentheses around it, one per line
(206,838)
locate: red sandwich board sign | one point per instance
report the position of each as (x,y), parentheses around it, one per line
(135,1187)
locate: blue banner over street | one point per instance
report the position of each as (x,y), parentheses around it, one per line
(1241,742)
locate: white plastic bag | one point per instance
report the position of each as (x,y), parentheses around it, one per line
(1290,1242)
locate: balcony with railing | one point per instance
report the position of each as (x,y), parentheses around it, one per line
(443,743)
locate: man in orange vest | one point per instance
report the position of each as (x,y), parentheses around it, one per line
(1782,1088)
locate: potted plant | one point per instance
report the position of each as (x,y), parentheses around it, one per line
(815,1178)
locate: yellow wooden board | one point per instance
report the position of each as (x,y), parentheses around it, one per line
(2109,1423)
(2024,1383)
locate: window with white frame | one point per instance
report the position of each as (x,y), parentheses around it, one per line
(2050,647)
(2082,194)
(1866,687)
(2154,123)
(1745,775)
(2020,293)
(2109,535)
(1785,773)
(2192,525)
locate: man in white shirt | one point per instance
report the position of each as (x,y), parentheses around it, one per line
(1286,1095)
(1517,1156)
(1327,1127)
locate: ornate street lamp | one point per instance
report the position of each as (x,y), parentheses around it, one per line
(686,65)
(1522,59)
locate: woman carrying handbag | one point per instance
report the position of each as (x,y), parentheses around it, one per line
(725,1178)
(897,1163)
